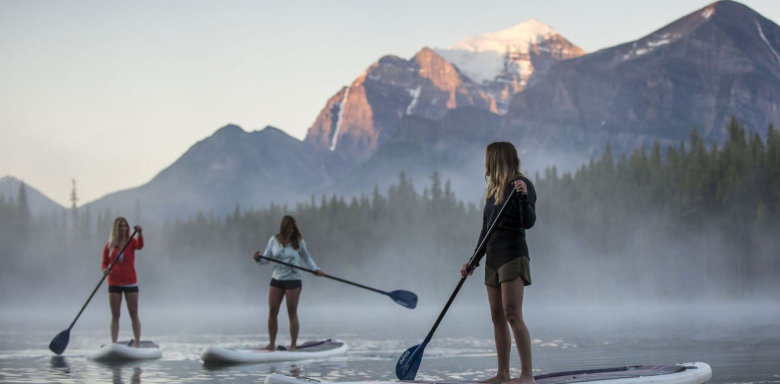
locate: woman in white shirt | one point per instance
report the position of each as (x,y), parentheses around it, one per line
(287,246)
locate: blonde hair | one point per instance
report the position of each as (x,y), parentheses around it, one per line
(114,237)
(289,232)
(501,166)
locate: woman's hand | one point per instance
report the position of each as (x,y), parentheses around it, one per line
(521,187)
(256,256)
(106,272)
(138,229)
(319,272)
(465,271)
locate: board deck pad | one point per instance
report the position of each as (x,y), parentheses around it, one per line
(130,343)
(313,346)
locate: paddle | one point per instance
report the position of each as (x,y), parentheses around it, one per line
(409,362)
(403,298)
(60,342)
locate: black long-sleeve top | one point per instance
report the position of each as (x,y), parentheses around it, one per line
(508,239)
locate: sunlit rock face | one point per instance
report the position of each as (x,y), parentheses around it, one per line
(363,116)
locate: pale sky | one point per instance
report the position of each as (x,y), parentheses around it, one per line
(110,93)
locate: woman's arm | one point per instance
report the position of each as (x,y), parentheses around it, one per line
(139,243)
(267,253)
(528,202)
(304,254)
(105,262)
(482,232)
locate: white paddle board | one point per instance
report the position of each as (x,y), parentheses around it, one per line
(685,373)
(309,350)
(124,351)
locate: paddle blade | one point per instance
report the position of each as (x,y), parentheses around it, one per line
(60,342)
(409,362)
(404,298)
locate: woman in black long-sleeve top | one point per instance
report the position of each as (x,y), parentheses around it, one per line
(507,268)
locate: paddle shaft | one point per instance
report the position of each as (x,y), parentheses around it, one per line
(473,261)
(325,275)
(103,278)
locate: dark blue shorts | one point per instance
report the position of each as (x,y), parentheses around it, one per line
(286,284)
(119,289)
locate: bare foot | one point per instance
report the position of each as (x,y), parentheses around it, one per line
(137,344)
(523,379)
(292,348)
(495,379)
(270,347)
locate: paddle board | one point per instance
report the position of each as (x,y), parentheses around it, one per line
(309,350)
(124,351)
(685,373)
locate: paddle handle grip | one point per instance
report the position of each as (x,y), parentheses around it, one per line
(323,275)
(103,278)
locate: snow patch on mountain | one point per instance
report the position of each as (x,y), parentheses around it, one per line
(483,58)
(708,12)
(415,93)
(478,66)
(517,38)
(642,47)
(761,33)
(343,106)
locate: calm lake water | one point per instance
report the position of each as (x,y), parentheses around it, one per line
(740,341)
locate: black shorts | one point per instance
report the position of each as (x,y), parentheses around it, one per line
(286,284)
(120,288)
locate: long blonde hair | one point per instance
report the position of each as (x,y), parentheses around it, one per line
(289,232)
(501,166)
(114,237)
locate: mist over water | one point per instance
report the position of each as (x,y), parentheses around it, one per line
(741,341)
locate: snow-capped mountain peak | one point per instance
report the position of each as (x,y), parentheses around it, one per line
(510,56)
(516,39)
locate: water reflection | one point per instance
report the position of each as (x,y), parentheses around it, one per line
(117,373)
(60,364)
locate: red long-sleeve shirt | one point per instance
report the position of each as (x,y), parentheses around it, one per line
(123,272)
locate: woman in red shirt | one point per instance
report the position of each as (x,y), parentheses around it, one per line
(121,277)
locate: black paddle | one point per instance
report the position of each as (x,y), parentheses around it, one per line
(60,342)
(403,298)
(409,362)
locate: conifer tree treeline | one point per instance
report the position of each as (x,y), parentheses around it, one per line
(721,203)
(650,219)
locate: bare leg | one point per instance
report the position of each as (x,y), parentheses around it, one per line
(512,294)
(132,309)
(293,295)
(500,333)
(275,296)
(115,302)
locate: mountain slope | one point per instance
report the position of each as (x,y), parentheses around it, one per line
(39,203)
(696,72)
(231,167)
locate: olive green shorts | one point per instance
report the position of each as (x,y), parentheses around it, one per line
(520,267)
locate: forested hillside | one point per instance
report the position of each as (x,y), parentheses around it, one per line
(696,218)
